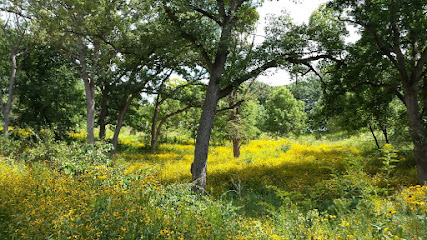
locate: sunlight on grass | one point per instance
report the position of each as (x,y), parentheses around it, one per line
(278,189)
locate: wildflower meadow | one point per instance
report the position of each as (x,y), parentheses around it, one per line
(279,189)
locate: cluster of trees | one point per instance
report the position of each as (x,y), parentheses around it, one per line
(125,52)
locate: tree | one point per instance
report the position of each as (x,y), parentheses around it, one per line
(309,90)
(238,117)
(184,94)
(49,92)
(14,30)
(367,108)
(284,114)
(242,124)
(210,27)
(77,28)
(393,33)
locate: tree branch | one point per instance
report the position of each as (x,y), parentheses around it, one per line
(207,14)
(385,48)
(252,74)
(418,70)
(232,106)
(391,88)
(1,101)
(234,6)
(221,7)
(18,13)
(188,36)
(396,49)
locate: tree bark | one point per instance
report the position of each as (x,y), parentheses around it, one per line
(8,107)
(90,109)
(199,166)
(375,137)
(120,120)
(235,118)
(154,136)
(385,133)
(89,93)
(417,130)
(103,113)
(236,147)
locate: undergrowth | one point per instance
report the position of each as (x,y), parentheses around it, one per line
(278,189)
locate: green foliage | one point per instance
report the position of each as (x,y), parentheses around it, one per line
(33,148)
(284,114)
(244,126)
(50,93)
(309,91)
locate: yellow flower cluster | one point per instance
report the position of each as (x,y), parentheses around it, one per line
(416,197)
(47,203)
(127,201)
(281,162)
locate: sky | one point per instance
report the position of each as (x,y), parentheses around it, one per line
(300,11)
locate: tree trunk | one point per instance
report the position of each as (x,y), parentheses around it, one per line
(235,119)
(417,130)
(8,107)
(199,166)
(384,130)
(89,92)
(120,120)
(236,147)
(154,136)
(375,137)
(103,113)
(90,110)
(119,125)
(59,130)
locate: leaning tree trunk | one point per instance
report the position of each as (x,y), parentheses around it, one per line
(417,131)
(199,166)
(375,137)
(155,134)
(385,133)
(120,119)
(119,125)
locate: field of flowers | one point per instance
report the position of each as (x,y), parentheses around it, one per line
(278,189)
